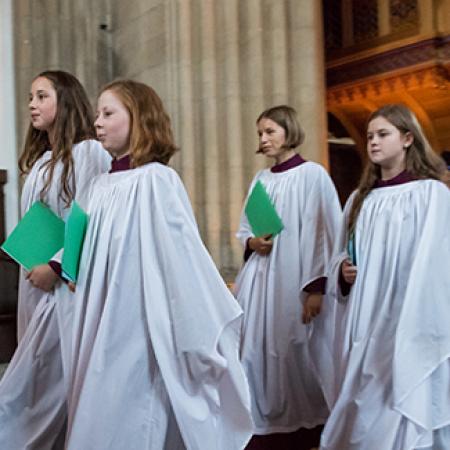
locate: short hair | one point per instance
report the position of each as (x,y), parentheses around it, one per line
(286,117)
(151,137)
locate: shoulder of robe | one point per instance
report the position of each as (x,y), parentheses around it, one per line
(91,146)
(161,172)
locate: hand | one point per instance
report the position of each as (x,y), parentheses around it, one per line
(71,286)
(261,245)
(311,307)
(42,277)
(348,271)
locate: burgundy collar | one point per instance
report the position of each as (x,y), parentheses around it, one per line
(401,178)
(118,165)
(295,161)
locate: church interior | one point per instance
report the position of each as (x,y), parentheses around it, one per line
(216,65)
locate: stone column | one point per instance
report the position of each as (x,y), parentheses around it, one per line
(308,91)
(384,26)
(8,153)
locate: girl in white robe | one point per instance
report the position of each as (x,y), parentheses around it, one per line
(60,159)
(391,272)
(284,279)
(156,348)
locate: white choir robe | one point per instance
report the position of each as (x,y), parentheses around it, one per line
(34,387)
(156,346)
(393,346)
(286,392)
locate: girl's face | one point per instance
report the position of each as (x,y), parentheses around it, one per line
(272,138)
(386,145)
(112,124)
(43,104)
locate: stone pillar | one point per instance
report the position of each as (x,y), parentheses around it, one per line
(384,25)
(216,65)
(8,153)
(308,91)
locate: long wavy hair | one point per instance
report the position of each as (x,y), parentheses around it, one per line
(420,159)
(151,136)
(74,122)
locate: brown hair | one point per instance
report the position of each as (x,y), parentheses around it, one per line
(286,117)
(420,159)
(73,123)
(151,137)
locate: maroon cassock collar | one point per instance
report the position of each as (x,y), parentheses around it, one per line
(401,178)
(121,164)
(295,161)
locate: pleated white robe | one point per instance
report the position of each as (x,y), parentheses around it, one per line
(156,356)
(286,392)
(34,387)
(392,358)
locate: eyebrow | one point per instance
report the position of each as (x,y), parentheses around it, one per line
(39,91)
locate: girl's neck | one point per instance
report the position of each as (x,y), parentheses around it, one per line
(288,154)
(122,155)
(387,173)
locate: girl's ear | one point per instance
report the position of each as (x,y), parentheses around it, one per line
(408,139)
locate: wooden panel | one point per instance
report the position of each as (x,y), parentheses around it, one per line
(8,289)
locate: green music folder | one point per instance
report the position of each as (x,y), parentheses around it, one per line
(261,213)
(75,232)
(36,238)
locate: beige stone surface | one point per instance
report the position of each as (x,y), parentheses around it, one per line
(216,63)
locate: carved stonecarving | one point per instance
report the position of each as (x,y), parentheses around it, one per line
(363,89)
(434,77)
(428,51)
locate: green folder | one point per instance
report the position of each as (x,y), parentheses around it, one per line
(36,238)
(75,232)
(261,213)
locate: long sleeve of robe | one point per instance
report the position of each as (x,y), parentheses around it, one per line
(156,347)
(393,367)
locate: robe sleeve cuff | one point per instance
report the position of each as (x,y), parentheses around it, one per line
(248,251)
(56,267)
(317,286)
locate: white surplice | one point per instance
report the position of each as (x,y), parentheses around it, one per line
(33,389)
(392,356)
(156,355)
(286,394)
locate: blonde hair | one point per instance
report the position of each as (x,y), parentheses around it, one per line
(420,159)
(74,122)
(151,137)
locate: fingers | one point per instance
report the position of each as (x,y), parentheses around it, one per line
(349,271)
(306,318)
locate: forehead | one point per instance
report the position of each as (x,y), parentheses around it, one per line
(265,122)
(109,99)
(380,123)
(42,84)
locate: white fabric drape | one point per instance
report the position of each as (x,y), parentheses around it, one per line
(156,329)
(33,389)
(392,362)
(286,393)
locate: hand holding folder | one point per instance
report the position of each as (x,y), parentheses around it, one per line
(41,234)
(261,213)
(76,226)
(36,238)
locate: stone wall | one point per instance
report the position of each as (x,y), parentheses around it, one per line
(216,64)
